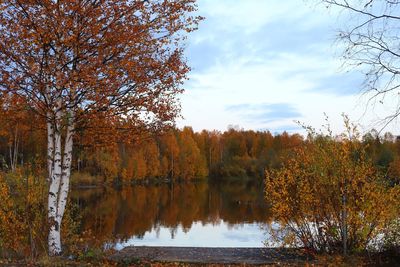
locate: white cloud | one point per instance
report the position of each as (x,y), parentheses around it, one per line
(250,15)
(255,51)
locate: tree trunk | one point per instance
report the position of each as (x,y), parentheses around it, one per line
(344,224)
(55,180)
(16,143)
(59,168)
(13,150)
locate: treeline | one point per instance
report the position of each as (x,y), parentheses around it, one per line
(235,153)
(113,150)
(185,154)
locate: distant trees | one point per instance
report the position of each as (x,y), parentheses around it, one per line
(105,153)
(191,162)
(17,131)
(170,151)
(108,154)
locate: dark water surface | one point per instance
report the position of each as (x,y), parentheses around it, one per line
(203,214)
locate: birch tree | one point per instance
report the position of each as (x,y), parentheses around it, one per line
(75,59)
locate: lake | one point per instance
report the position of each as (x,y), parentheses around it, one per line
(203,214)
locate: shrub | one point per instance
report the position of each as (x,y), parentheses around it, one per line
(22,214)
(23,217)
(328,196)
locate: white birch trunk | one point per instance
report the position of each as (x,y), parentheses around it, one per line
(66,169)
(55,180)
(50,147)
(59,168)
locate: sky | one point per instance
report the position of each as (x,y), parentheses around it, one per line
(264,64)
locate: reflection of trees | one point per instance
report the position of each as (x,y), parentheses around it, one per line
(132,211)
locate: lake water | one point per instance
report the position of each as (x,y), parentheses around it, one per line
(204,214)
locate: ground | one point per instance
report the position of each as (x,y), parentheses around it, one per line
(200,255)
(211,257)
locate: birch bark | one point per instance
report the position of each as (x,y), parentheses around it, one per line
(59,171)
(66,169)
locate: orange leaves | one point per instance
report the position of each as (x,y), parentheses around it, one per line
(191,163)
(8,233)
(18,126)
(324,178)
(21,213)
(122,57)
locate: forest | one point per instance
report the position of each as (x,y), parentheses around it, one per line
(174,155)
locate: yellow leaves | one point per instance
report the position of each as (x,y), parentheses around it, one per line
(11,224)
(22,213)
(317,177)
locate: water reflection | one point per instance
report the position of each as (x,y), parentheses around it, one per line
(201,235)
(187,214)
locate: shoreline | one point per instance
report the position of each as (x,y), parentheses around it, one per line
(212,255)
(163,181)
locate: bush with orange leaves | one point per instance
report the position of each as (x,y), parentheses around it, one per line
(21,214)
(328,197)
(9,237)
(23,195)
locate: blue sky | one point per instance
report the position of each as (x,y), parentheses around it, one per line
(262,64)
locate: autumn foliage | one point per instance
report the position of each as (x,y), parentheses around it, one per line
(110,151)
(329,195)
(22,215)
(74,61)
